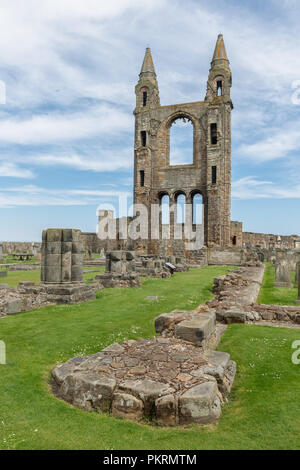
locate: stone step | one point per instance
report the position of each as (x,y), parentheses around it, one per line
(198,329)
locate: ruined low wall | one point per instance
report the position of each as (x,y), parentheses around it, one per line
(270,240)
(20,247)
(226,256)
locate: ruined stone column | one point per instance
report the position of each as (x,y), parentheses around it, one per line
(62,266)
(1,251)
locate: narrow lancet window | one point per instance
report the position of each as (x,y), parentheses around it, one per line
(144,98)
(213,174)
(144,138)
(213,134)
(219,88)
(142,177)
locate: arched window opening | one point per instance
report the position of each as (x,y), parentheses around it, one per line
(213,134)
(214,174)
(144,138)
(219,88)
(165,210)
(142,177)
(197,202)
(181,141)
(144,98)
(180,209)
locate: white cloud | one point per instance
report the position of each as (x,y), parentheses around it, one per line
(101,160)
(54,128)
(11,170)
(250,187)
(35,196)
(277,144)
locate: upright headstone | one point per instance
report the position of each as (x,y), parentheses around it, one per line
(298,281)
(283,274)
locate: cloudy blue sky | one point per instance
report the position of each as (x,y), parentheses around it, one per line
(66,128)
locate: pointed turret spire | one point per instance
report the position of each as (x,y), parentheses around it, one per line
(219,78)
(146,90)
(148,69)
(220,56)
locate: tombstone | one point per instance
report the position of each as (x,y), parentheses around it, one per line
(2,353)
(298,281)
(283,274)
(35,249)
(261,256)
(62,266)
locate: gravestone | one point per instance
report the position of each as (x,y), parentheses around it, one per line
(298,281)
(283,274)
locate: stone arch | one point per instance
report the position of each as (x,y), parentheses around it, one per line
(195,195)
(165,128)
(180,200)
(164,207)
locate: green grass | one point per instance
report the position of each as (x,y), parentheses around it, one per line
(263,412)
(271,295)
(10,260)
(14,277)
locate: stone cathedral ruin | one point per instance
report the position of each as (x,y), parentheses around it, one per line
(175,378)
(157,181)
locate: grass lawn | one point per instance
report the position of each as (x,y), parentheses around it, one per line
(14,277)
(9,260)
(263,413)
(271,295)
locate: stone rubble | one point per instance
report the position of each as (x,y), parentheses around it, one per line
(25,297)
(236,295)
(166,380)
(123,268)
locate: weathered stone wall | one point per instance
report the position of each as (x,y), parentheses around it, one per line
(91,243)
(20,247)
(236,233)
(270,241)
(152,153)
(231,256)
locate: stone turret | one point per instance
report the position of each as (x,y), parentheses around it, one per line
(219,80)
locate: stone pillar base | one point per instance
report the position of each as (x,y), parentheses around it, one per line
(68,293)
(286,285)
(118,280)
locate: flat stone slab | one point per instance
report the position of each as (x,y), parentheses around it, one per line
(166,380)
(195,326)
(198,329)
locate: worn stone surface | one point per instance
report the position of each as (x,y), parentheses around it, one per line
(20,299)
(283,274)
(200,404)
(149,378)
(108,280)
(62,256)
(236,292)
(62,267)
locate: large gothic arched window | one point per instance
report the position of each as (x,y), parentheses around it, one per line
(181,141)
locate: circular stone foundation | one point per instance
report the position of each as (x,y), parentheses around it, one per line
(165,380)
